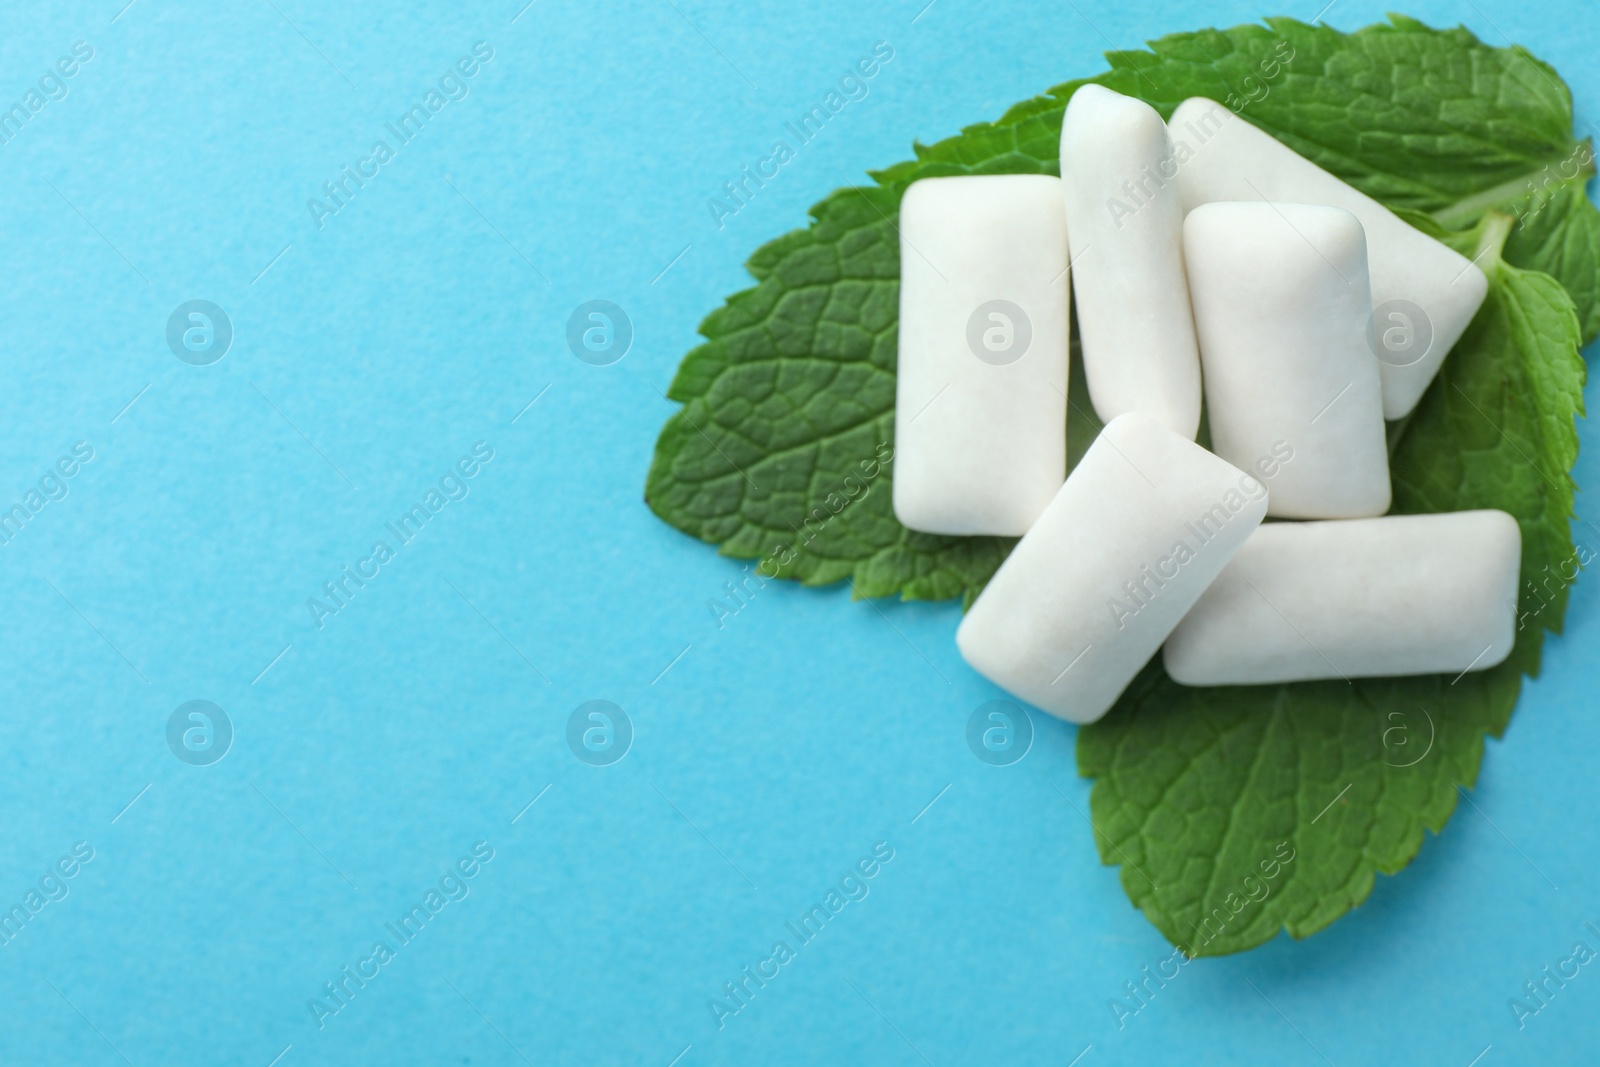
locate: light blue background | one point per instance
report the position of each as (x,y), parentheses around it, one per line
(774,753)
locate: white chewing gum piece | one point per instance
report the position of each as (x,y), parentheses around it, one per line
(981,390)
(1292,392)
(1424,294)
(1125,224)
(1146,521)
(1360,598)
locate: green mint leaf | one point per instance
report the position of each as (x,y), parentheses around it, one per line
(1558,232)
(1198,788)
(780,452)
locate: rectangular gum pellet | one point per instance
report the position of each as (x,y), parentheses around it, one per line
(1404,594)
(1424,294)
(1281,304)
(1146,521)
(981,389)
(1125,225)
